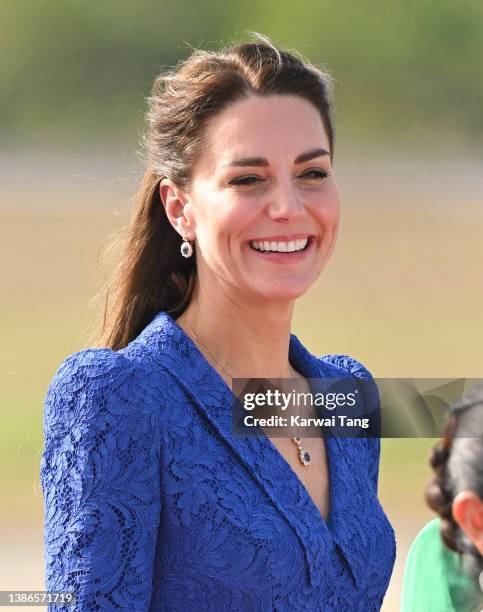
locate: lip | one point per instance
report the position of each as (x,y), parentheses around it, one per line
(281,237)
(285,258)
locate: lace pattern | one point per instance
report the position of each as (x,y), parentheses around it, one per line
(152,504)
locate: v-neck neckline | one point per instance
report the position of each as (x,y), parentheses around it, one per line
(302,361)
(169,353)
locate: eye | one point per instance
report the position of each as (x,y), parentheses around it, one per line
(315,174)
(245,181)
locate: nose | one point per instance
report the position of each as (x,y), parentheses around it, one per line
(285,202)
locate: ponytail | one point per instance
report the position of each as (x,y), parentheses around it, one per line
(151,276)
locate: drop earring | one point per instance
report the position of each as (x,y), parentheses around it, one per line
(186,248)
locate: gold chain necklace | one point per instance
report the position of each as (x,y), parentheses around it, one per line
(304,456)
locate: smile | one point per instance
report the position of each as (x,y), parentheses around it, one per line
(280,246)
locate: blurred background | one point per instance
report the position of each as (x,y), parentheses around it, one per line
(403,291)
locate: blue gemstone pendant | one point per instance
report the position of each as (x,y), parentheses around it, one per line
(304,456)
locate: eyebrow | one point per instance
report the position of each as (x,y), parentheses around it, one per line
(262,161)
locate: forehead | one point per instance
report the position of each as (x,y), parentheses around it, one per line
(265,126)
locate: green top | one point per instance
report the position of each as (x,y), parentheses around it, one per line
(434,577)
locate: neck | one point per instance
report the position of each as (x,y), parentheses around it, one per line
(249,339)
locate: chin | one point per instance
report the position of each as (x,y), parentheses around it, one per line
(283,292)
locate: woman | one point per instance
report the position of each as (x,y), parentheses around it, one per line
(444,568)
(151,502)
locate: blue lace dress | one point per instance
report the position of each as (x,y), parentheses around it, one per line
(151,503)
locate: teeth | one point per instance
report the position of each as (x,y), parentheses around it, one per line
(280,247)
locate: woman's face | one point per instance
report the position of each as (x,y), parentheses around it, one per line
(263,206)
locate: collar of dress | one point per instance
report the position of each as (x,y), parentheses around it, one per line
(165,344)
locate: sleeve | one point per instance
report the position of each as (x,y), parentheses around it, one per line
(371,440)
(99,475)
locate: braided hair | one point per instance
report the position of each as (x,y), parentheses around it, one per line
(457,462)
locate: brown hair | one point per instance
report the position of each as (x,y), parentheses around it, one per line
(152,275)
(457,461)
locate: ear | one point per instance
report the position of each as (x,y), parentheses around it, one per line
(178,208)
(467,511)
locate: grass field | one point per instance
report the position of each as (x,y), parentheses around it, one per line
(403,294)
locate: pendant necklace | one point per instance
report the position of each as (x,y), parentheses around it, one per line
(304,456)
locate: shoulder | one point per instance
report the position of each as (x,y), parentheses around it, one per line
(428,546)
(425,566)
(430,562)
(345,363)
(90,365)
(427,540)
(347,367)
(344,366)
(91,383)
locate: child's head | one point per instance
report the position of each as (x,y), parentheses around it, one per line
(456,490)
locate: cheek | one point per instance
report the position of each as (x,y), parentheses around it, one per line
(327,209)
(335,213)
(230,219)
(218,225)
(210,214)
(333,200)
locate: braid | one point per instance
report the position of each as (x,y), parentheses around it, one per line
(439,493)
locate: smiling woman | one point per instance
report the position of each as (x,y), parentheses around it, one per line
(252,215)
(151,501)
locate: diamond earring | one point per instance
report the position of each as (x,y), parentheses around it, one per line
(186,249)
